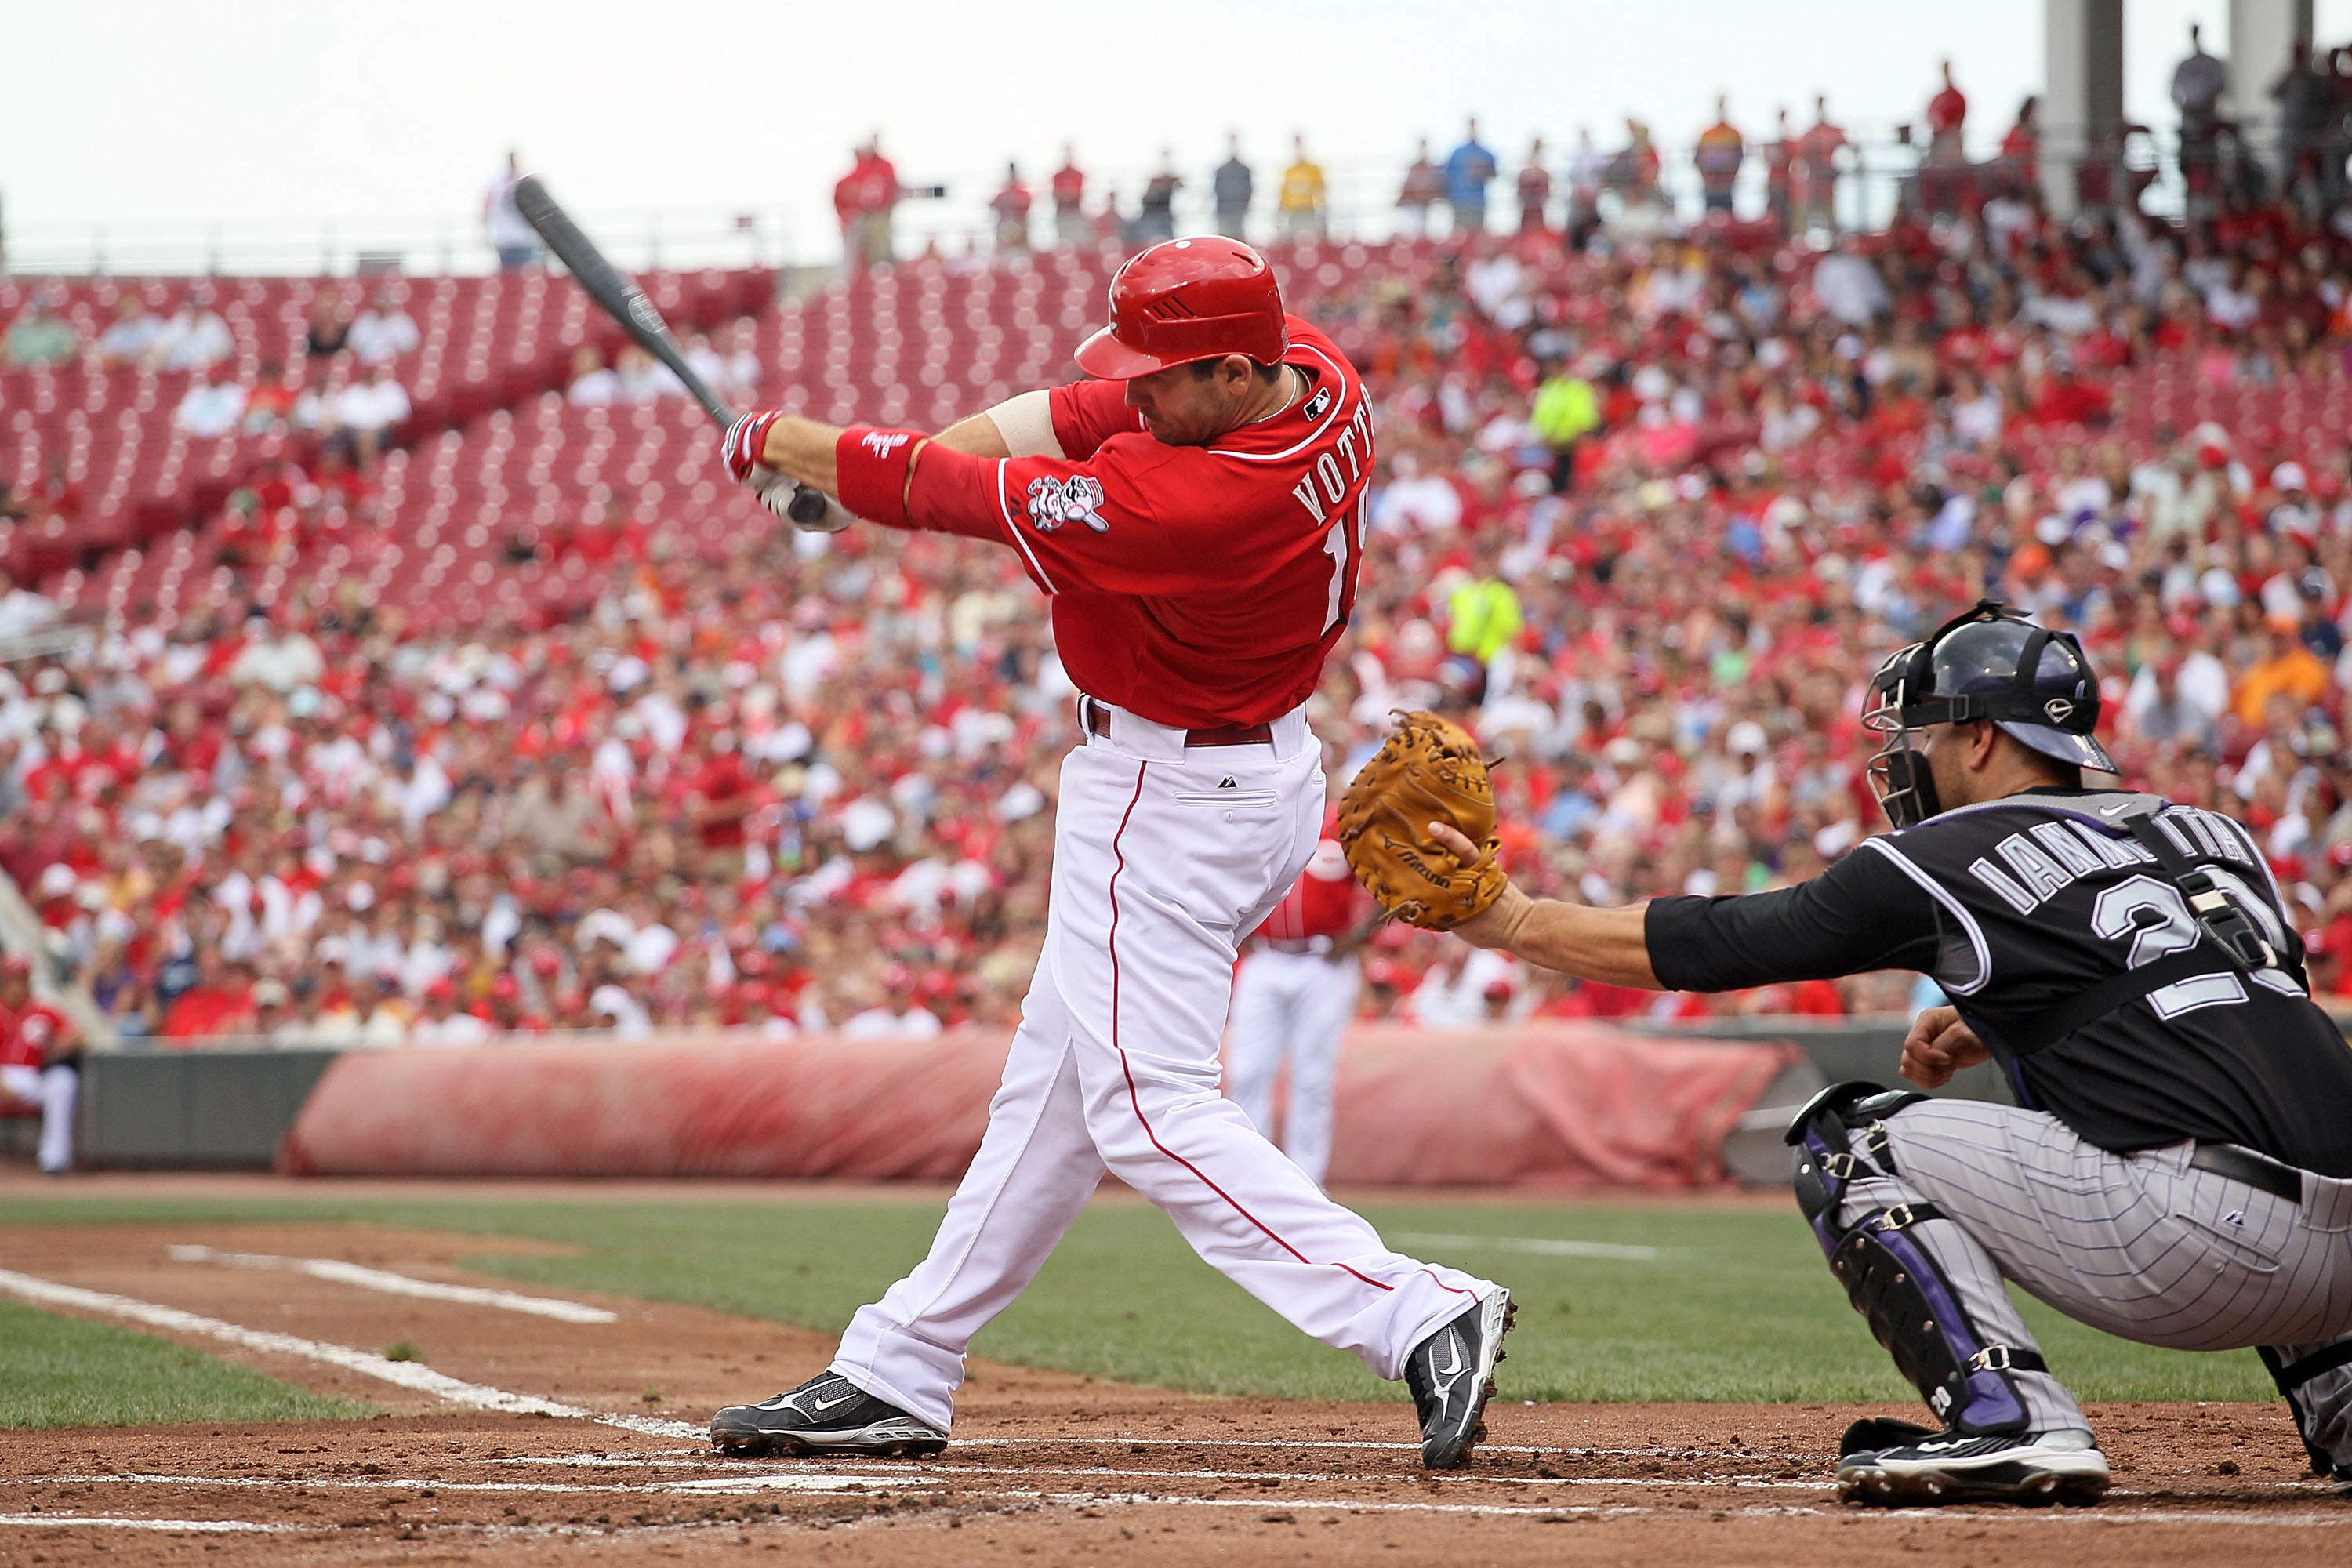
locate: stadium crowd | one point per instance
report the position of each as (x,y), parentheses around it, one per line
(1652,508)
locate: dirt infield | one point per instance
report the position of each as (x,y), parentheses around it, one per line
(1045,1465)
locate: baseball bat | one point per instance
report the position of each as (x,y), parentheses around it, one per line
(626,303)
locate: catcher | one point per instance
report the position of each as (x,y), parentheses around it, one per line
(2178,1169)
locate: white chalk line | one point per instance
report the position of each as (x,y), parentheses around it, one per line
(192,1526)
(1541,1247)
(393,1284)
(821,1482)
(839,1482)
(408,1374)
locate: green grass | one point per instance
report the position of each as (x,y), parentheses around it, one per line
(70,1372)
(1740,1307)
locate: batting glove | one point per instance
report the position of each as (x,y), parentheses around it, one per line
(745,441)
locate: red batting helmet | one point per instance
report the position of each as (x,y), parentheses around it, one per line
(1186,300)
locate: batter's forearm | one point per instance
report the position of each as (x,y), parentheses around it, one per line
(1611,946)
(804,449)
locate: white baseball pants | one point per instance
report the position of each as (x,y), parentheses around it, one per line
(1164,858)
(54,1089)
(1294,1006)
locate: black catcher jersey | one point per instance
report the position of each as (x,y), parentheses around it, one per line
(2016,906)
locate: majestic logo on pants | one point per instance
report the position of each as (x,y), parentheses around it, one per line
(1079,499)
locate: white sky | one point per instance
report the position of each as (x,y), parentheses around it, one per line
(302,111)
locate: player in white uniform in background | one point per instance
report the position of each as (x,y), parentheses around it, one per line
(1294,996)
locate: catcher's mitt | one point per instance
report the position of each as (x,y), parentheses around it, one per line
(1429,770)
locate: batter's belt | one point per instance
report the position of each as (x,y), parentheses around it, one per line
(1097,719)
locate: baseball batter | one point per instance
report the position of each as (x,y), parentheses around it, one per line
(2178,1169)
(1196,514)
(1293,997)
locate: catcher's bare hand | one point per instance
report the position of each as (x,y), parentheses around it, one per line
(1938,1045)
(1495,925)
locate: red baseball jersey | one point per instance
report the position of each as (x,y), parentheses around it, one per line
(26,1037)
(1198,587)
(1324,901)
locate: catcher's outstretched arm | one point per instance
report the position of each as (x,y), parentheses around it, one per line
(1611,946)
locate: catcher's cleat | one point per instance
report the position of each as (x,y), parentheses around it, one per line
(1451,1376)
(826,1415)
(2035,1471)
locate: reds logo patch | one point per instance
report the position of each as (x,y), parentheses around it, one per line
(1079,499)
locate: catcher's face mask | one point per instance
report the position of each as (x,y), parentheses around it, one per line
(1989,664)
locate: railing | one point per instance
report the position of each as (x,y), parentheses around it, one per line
(1875,172)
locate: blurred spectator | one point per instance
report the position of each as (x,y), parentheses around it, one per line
(1721,150)
(2290,671)
(1813,173)
(1566,410)
(592,386)
(1633,174)
(1534,190)
(1424,187)
(2310,99)
(1849,287)
(1233,185)
(1781,174)
(213,406)
(1011,207)
(1482,615)
(329,329)
(1155,216)
(219,1001)
(383,332)
(1070,225)
(504,228)
(1948,114)
(1588,176)
(639,378)
(22,610)
(372,411)
(1470,168)
(194,337)
(2198,84)
(132,335)
(269,406)
(1301,206)
(442,1023)
(40,336)
(863,200)
(898,1016)
(2020,151)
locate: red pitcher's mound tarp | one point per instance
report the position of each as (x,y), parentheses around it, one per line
(1555,1103)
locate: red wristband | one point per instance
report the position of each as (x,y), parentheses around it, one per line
(873,466)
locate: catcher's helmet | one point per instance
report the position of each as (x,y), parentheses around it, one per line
(1988,664)
(1186,300)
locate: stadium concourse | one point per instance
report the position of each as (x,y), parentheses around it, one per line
(528,720)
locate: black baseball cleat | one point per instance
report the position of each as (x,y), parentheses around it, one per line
(826,1415)
(1920,1469)
(1451,1376)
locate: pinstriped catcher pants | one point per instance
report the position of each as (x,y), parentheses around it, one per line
(2142,1246)
(1164,858)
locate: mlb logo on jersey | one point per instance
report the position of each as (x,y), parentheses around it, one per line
(1079,499)
(1319,404)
